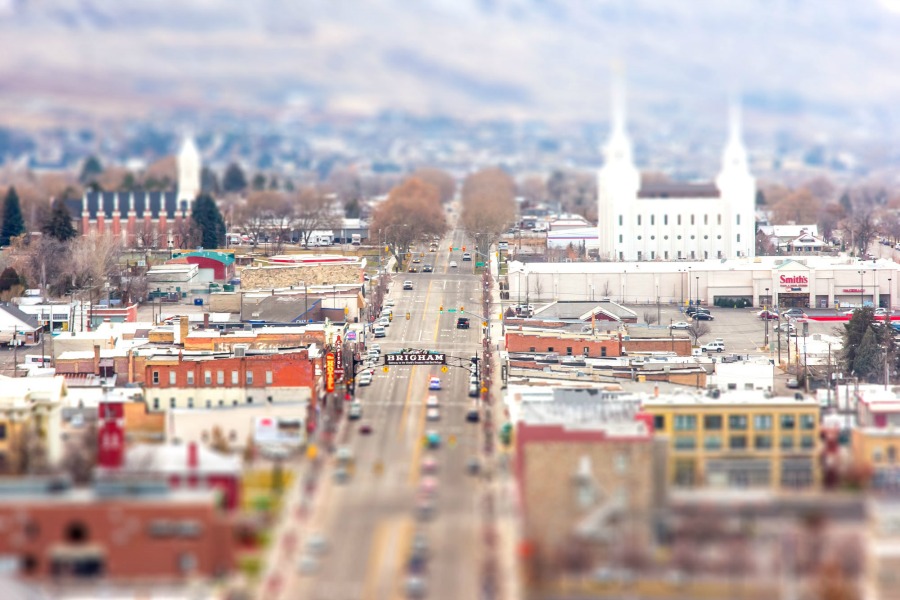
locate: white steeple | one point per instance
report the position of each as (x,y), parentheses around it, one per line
(618,147)
(619,180)
(734,158)
(188,172)
(738,189)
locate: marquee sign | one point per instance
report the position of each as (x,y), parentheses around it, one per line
(329,372)
(415,358)
(793,281)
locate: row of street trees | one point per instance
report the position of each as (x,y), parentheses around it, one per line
(488,207)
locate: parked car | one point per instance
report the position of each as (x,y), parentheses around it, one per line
(714,346)
(793,383)
(703,316)
(767,314)
(680,325)
(794,313)
(692,310)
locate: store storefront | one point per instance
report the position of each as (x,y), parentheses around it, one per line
(822,282)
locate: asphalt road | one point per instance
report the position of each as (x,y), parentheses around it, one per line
(370,521)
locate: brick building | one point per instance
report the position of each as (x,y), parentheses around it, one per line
(116,530)
(564,343)
(586,466)
(239,378)
(150,219)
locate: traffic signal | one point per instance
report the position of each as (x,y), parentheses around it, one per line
(442,309)
(407,316)
(451,248)
(462,309)
(464,248)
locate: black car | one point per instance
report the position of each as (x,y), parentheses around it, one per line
(427,269)
(462,323)
(703,316)
(691,310)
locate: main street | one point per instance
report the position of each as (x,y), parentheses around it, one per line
(370,521)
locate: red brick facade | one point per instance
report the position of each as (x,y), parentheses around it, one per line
(681,346)
(160,538)
(288,369)
(593,347)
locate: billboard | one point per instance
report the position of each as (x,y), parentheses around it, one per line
(415,358)
(329,372)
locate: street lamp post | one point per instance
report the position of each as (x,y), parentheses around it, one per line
(698,290)
(690,298)
(681,281)
(861,288)
(766,318)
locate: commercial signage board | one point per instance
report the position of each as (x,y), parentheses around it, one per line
(415,358)
(329,372)
(793,281)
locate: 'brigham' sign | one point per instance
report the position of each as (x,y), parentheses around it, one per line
(414,358)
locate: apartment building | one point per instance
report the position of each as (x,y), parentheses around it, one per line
(746,439)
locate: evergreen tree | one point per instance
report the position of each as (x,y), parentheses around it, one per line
(760,198)
(234,180)
(13,223)
(59,223)
(854,331)
(868,360)
(259,182)
(846,204)
(90,170)
(209,221)
(8,278)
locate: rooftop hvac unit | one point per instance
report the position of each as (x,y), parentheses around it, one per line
(240,350)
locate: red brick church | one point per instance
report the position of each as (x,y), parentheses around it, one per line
(144,219)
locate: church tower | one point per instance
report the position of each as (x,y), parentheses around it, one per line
(738,190)
(619,180)
(188,173)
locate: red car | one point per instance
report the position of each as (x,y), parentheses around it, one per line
(767,314)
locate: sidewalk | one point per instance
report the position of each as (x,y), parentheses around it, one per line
(504,488)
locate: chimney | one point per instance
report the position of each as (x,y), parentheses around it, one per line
(205,320)
(96,359)
(193,456)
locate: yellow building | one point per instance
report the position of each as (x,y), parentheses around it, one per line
(30,407)
(738,439)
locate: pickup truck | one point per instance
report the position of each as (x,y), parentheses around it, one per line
(716,346)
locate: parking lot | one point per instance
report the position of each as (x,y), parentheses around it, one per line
(742,330)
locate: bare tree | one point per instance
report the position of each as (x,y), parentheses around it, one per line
(81,455)
(649,317)
(697,330)
(443,181)
(30,450)
(411,212)
(313,211)
(488,206)
(861,228)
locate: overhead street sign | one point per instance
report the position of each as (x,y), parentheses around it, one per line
(415,358)
(479,264)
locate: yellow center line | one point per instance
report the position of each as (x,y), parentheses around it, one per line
(420,429)
(379,538)
(412,372)
(406,533)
